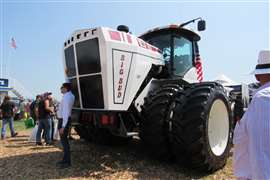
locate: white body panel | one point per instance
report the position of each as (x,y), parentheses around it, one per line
(140,99)
(125,62)
(191,76)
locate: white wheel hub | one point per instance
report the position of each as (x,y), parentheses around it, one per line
(218,127)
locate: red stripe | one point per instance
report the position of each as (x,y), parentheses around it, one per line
(199,72)
(154,49)
(198,65)
(115,35)
(145,45)
(129,39)
(199,68)
(123,36)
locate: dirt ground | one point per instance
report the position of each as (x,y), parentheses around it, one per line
(20,159)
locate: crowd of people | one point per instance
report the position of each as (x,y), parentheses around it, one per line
(43,110)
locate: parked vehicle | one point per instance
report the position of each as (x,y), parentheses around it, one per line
(150,86)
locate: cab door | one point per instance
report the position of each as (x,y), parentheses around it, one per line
(183,56)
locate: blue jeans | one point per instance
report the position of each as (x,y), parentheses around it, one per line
(11,126)
(52,129)
(44,124)
(65,143)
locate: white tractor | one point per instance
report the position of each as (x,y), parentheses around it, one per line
(149,86)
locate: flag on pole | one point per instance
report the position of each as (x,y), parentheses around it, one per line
(13,43)
(198,64)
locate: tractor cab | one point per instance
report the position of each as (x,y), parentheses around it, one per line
(178,46)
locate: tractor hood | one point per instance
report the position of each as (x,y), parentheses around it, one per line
(107,67)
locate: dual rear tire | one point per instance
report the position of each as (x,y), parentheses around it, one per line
(192,125)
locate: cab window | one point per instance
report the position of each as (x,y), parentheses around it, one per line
(163,43)
(183,55)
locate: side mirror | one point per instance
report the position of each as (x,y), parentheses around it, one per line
(201,25)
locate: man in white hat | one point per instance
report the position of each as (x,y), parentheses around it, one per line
(251,158)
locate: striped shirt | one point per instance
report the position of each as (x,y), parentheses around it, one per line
(251,158)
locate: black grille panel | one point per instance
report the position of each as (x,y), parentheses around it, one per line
(70,61)
(92,92)
(88,59)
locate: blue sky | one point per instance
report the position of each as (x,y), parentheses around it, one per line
(236,32)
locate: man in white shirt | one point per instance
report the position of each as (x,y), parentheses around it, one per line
(64,112)
(251,158)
